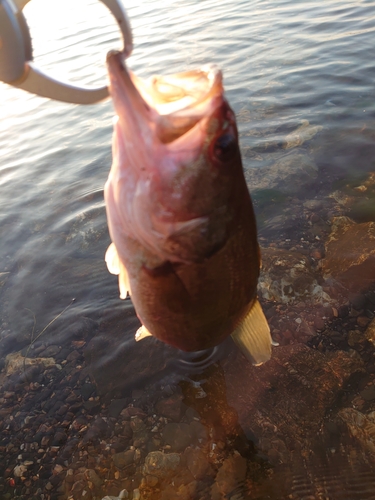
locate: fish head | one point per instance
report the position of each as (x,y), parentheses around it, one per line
(176,181)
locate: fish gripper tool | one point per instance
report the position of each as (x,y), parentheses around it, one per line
(16,56)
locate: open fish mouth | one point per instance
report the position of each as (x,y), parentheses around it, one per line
(170,105)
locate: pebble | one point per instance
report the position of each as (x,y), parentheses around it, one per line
(316,254)
(177,436)
(368,394)
(197,463)
(171,407)
(160,464)
(123,459)
(230,475)
(355,337)
(363,321)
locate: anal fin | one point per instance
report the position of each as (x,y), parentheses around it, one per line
(115,266)
(253,336)
(142,333)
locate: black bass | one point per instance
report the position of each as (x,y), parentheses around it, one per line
(184,240)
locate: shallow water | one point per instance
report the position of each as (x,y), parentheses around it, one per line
(300,77)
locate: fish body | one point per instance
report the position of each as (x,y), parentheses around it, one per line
(180,216)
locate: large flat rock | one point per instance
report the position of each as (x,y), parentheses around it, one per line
(350,253)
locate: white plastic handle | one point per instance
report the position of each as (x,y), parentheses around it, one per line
(17,68)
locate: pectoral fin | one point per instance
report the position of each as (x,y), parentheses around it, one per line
(115,266)
(253,336)
(112,259)
(141,333)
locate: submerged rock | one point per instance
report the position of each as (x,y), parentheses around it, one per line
(285,401)
(15,362)
(350,253)
(287,175)
(303,133)
(288,277)
(361,427)
(229,477)
(161,465)
(370,332)
(197,463)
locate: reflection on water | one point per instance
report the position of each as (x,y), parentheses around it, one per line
(88,412)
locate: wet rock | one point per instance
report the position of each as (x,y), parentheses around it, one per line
(171,407)
(363,321)
(287,175)
(19,470)
(287,277)
(50,351)
(230,475)
(98,429)
(361,427)
(355,338)
(122,460)
(87,391)
(197,463)
(368,394)
(140,431)
(303,133)
(284,401)
(370,332)
(313,204)
(350,253)
(59,438)
(199,431)
(15,363)
(177,436)
(183,492)
(161,465)
(73,356)
(116,406)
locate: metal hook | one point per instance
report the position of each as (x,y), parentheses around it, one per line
(17,68)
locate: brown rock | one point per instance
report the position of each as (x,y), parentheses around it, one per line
(361,427)
(370,332)
(316,254)
(350,253)
(73,356)
(363,321)
(230,475)
(160,464)
(123,459)
(355,337)
(171,407)
(183,492)
(287,276)
(93,477)
(177,436)
(284,401)
(197,463)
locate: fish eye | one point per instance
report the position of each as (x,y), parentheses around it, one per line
(225,147)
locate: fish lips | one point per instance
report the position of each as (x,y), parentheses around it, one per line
(164,109)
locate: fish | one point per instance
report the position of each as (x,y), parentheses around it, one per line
(180,217)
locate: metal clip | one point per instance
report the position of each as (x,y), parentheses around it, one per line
(17,68)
